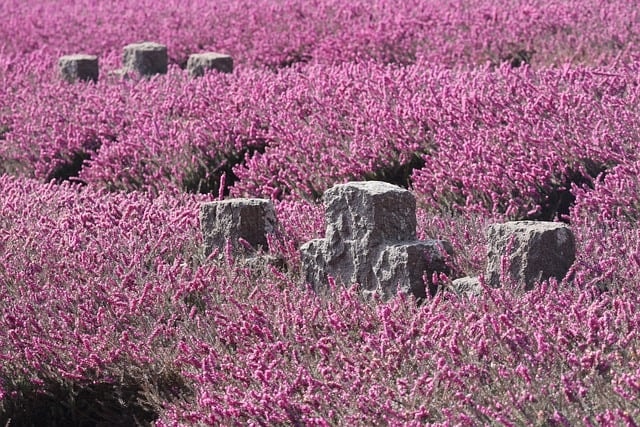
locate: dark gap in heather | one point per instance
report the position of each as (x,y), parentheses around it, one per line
(518,58)
(89,405)
(291,59)
(556,202)
(69,168)
(397,173)
(206,177)
(72,164)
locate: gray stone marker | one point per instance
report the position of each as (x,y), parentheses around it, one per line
(199,63)
(145,58)
(371,240)
(533,251)
(234,219)
(469,286)
(78,67)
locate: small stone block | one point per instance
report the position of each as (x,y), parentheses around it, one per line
(404,267)
(371,212)
(199,63)
(469,286)
(146,58)
(233,219)
(120,73)
(533,251)
(78,67)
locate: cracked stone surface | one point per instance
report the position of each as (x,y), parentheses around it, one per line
(371,240)
(200,63)
(145,58)
(469,286)
(78,67)
(532,251)
(234,219)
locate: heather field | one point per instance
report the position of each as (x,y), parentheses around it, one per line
(487,110)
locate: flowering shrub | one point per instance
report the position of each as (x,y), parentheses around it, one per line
(278,34)
(110,313)
(345,361)
(107,293)
(512,142)
(606,219)
(81,273)
(508,142)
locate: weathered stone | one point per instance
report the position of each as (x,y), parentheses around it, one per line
(120,73)
(532,251)
(199,63)
(371,240)
(78,67)
(145,58)
(408,267)
(385,269)
(370,212)
(230,220)
(469,286)
(313,255)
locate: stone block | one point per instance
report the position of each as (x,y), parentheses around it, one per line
(145,58)
(370,212)
(234,219)
(469,286)
(532,250)
(385,269)
(78,67)
(200,63)
(408,267)
(371,240)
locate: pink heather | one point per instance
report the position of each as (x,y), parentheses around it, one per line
(487,110)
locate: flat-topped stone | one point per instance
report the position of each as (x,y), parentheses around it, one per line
(200,63)
(234,219)
(146,58)
(371,240)
(78,67)
(531,251)
(371,212)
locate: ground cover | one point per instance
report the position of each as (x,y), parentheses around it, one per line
(109,311)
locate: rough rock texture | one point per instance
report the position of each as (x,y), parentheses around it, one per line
(467,286)
(532,250)
(199,63)
(233,219)
(405,265)
(371,240)
(78,67)
(145,58)
(369,212)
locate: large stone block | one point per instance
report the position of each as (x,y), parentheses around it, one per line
(371,240)
(385,269)
(532,251)
(234,219)
(347,262)
(200,63)
(78,67)
(145,58)
(370,212)
(313,255)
